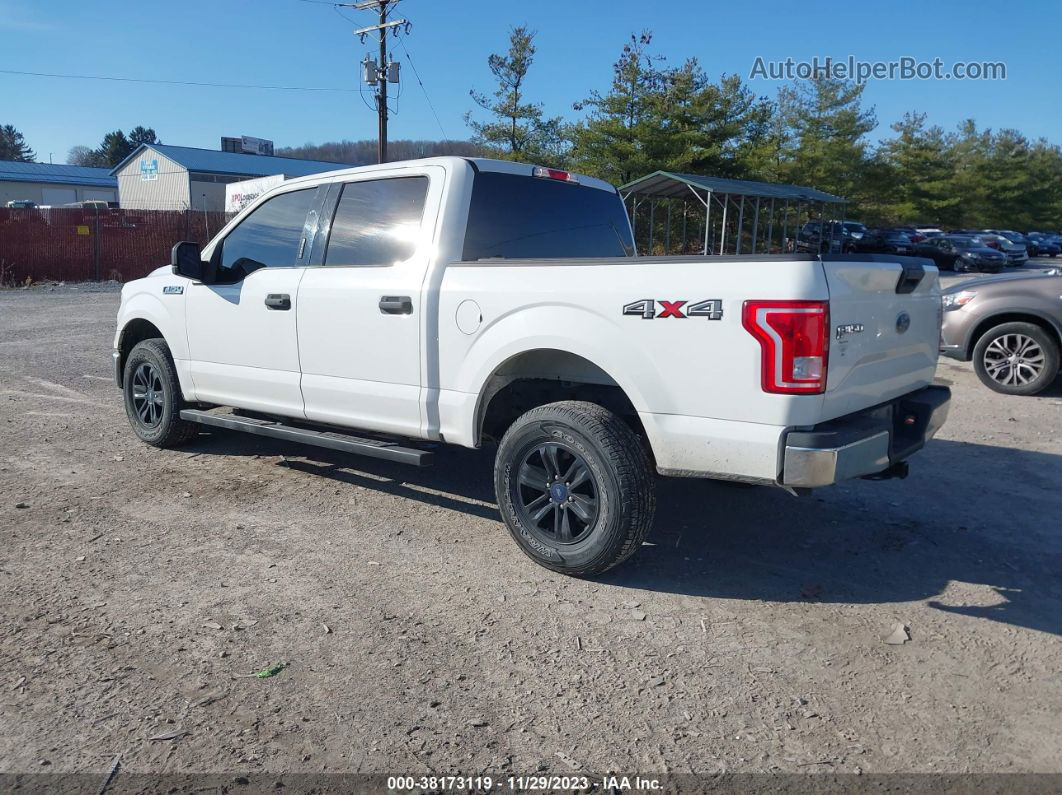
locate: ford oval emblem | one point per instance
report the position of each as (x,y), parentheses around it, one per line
(903,322)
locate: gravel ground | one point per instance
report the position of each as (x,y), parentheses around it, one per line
(139,588)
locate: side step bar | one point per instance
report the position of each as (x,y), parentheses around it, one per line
(347,443)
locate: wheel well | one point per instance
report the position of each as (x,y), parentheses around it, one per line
(538,377)
(135,331)
(1010,317)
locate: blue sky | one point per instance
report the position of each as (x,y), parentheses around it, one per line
(294,42)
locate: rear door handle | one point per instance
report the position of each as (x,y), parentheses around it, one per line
(278,301)
(396,305)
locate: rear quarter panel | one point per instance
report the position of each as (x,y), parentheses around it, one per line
(689,366)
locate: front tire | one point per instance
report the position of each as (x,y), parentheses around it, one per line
(153,396)
(574,487)
(1016,359)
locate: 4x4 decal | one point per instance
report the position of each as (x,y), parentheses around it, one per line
(646,309)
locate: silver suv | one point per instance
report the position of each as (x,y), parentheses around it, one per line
(1010,326)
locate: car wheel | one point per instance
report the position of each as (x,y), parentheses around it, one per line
(1016,359)
(575,487)
(958,265)
(153,396)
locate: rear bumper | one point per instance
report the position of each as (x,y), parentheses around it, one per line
(865,443)
(954,352)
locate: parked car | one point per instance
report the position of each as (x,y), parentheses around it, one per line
(914,234)
(839,236)
(485,301)
(1016,253)
(1046,245)
(928,230)
(1010,326)
(884,241)
(961,253)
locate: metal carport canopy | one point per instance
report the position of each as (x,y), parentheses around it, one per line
(664,185)
(669,185)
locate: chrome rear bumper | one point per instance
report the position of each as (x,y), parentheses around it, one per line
(865,443)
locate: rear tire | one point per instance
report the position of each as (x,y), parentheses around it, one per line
(574,487)
(1016,359)
(153,396)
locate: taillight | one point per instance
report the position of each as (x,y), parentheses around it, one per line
(554,173)
(795,342)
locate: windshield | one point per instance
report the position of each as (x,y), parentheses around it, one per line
(964,242)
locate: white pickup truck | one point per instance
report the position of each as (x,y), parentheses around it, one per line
(468,301)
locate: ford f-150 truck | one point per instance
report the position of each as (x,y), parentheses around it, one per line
(385,309)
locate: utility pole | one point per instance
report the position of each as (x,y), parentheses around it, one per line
(381,96)
(380,73)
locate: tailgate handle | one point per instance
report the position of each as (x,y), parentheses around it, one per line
(910,278)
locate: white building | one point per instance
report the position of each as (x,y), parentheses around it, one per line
(163,177)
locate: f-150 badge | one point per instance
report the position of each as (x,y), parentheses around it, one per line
(646,309)
(172,289)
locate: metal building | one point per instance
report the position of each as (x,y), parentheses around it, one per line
(736,216)
(164,177)
(48,184)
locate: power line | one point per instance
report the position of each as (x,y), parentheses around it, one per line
(422,88)
(177,82)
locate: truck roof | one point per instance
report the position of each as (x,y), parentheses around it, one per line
(451,162)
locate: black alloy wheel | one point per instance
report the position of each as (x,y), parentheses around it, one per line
(557,495)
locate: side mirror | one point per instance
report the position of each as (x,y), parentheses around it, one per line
(186,261)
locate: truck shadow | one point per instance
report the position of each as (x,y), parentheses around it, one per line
(970,513)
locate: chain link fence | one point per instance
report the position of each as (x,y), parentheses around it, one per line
(95,244)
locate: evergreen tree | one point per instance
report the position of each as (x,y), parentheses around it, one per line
(610,143)
(13,146)
(115,148)
(921,171)
(970,150)
(703,127)
(824,142)
(517,129)
(142,135)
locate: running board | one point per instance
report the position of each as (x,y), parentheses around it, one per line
(345,442)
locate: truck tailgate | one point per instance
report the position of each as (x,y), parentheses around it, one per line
(885,329)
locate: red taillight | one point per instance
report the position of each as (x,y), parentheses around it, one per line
(554,173)
(795,340)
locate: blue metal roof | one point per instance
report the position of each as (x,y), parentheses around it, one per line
(56,173)
(210,161)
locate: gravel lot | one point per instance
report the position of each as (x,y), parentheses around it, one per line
(139,587)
